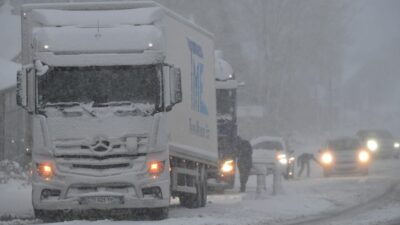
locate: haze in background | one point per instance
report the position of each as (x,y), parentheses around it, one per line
(315,68)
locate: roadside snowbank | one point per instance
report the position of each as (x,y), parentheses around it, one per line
(15,199)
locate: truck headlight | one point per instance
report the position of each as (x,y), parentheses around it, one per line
(282,159)
(155,168)
(363,156)
(372,145)
(228,166)
(396,145)
(327,158)
(45,170)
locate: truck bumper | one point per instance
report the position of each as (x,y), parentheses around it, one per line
(124,191)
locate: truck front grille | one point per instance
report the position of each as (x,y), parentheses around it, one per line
(102,167)
(77,190)
(100,157)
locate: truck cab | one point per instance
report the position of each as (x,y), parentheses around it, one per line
(226,86)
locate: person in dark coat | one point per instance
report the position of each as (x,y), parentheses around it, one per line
(304,162)
(244,161)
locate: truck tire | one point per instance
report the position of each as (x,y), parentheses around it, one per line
(158,213)
(48,215)
(200,198)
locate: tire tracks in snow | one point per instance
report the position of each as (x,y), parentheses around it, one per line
(330,217)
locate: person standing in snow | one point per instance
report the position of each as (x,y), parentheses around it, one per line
(244,161)
(304,161)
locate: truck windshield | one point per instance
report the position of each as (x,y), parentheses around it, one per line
(100,85)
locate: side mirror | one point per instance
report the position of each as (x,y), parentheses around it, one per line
(26,89)
(176,85)
(40,68)
(22,99)
(172,86)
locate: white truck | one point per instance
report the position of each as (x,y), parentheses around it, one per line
(122,103)
(226,84)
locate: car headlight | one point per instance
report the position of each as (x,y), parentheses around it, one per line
(282,159)
(396,145)
(228,166)
(372,145)
(327,158)
(363,156)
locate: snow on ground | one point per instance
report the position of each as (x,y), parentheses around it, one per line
(15,199)
(378,216)
(302,197)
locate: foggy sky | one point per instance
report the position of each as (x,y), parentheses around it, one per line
(371,65)
(359,55)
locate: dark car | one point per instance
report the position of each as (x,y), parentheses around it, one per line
(344,155)
(381,143)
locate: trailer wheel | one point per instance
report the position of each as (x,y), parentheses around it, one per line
(158,213)
(203,182)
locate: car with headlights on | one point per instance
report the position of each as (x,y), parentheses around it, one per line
(380,143)
(271,153)
(343,156)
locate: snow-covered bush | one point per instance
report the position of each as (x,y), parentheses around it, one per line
(10,170)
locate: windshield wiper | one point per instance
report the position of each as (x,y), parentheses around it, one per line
(106,104)
(87,110)
(61,105)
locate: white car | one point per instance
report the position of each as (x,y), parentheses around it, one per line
(269,153)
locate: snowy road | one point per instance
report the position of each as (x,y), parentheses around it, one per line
(382,209)
(315,199)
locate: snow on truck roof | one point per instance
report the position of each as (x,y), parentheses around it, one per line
(98,40)
(56,17)
(129,13)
